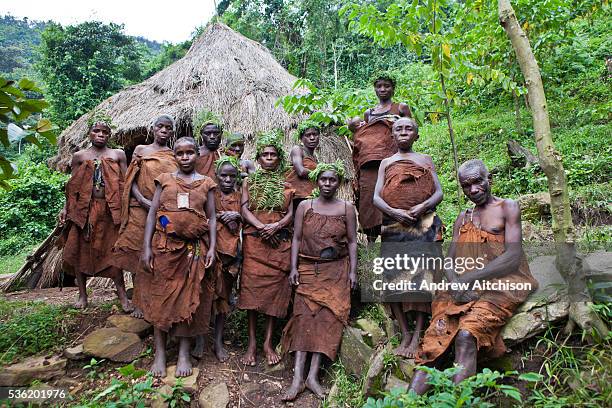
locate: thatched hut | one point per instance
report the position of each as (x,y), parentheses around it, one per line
(224,72)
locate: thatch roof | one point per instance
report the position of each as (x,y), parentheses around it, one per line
(224,72)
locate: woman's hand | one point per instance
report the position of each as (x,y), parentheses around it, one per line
(210,259)
(146,261)
(294,277)
(61,217)
(269,230)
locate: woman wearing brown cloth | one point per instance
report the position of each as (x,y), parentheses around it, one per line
(179,251)
(303,161)
(323,270)
(92,212)
(407,192)
(267,213)
(148,162)
(373,142)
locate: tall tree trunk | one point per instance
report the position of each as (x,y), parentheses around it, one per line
(568,263)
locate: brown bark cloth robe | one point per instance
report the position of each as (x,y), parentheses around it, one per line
(303,186)
(322,300)
(93,223)
(406,185)
(483,318)
(181,290)
(128,248)
(205,165)
(373,142)
(264,285)
(228,244)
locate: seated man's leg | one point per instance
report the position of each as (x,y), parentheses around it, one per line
(465,355)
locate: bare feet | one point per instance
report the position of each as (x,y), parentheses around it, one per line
(126,305)
(158,368)
(313,385)
(198,348)
(404,349)
(296,388)
(220,352)
(249,358)
(81,303)
(183,366)
(413,346)
(271,355)
(137,313)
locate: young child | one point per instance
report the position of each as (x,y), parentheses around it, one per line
(303,161)
(323,270)
(267,213)
(373,142)
(92,212)
(148,162)
(179,250)
(407,192)
(235,147)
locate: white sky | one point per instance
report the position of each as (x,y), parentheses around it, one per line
(170,20)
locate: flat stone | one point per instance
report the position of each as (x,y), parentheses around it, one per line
(406,367)
(158,400)
(354,352)
(129,324)
(33,368)
(598,266)
(113,344)
(276,368)
(374,379)
(74,353)
(394,382)
(190,384)
(373,332)
(214,396)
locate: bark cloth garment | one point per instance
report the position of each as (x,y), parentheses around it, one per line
(303,186)
(373,142)
(483,318)
(128,248)
(205,165)
(93,223)
(181,290)
(228,257)
(322,300)
(264,283)
(406,185)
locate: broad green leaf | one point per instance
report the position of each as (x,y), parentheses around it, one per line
(29,85)
(4,137)
(44,125)
(446,49)
(530,377)
(14,91)
(32,139)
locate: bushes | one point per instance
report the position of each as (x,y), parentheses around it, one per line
(30,209)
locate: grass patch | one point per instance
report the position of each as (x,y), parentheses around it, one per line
(28,328)
(12,263)
(348,392)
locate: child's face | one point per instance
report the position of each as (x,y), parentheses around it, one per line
(185,154)
(268,159)
(384,89)
(310,138)
(226,177)
(236,149)
(99,134)
(405,133)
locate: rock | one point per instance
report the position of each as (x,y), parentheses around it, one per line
(374,379)
(373,332)
(113,344)
(536,206)
(33,368)
(214,396)
(354,352)
(190,384)
(332,395)
(406,367)
(247,389)
(129,324)
(598,266)
(394,382)
(548,304)
(276,368)
(158,400)
(74,353)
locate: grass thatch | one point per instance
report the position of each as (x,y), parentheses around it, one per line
(224,72)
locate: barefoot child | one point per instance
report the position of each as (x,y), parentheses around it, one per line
(323,270)
(235,147)
(303,161)
(372,143)
(471,320)
(229,222)
(178,250)
(407,192)
(148,162)
(267,213)
(92,212)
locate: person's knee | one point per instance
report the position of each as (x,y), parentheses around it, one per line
(465,341)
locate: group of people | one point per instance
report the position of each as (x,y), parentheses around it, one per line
(195,220)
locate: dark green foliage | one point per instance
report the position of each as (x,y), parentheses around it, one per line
(30,208)
(19,40)
(27,328)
